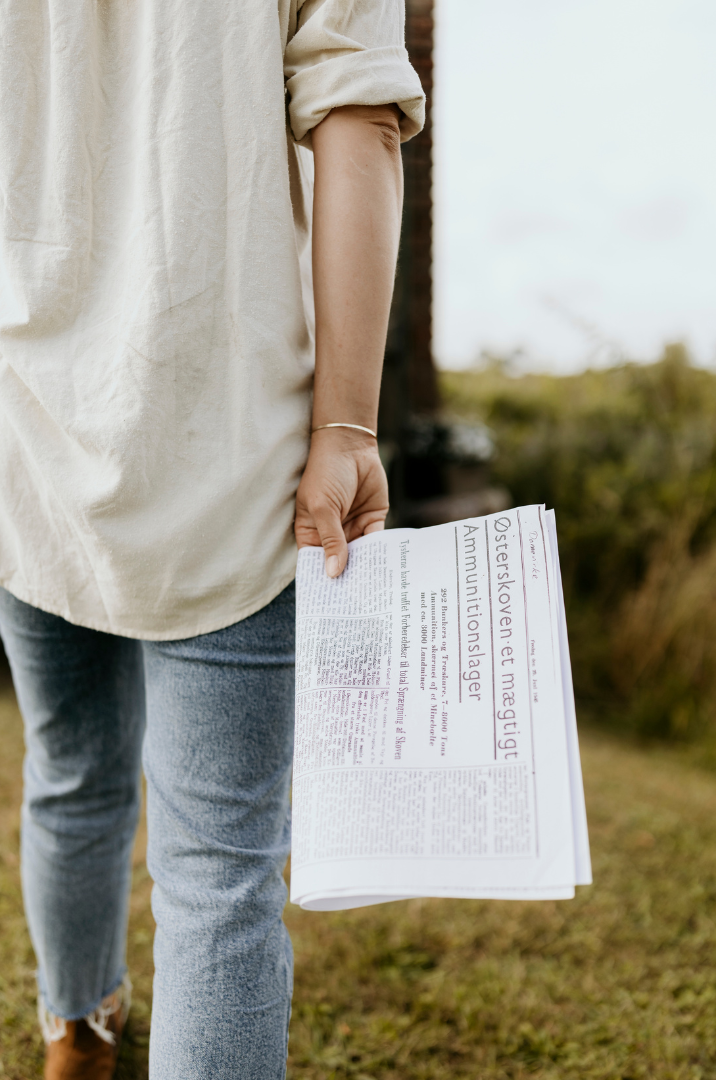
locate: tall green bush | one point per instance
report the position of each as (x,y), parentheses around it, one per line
(627,457)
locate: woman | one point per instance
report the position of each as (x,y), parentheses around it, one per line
(156,400)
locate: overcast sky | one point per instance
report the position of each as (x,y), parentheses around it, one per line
(575,179)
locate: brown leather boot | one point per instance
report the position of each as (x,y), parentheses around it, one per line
(86,1049)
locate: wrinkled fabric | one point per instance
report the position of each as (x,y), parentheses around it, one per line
(218,745)
(155,356)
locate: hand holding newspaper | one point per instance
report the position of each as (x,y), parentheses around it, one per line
(436,739)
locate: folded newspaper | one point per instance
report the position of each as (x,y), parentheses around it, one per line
(436,739)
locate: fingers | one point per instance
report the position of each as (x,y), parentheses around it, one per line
(367,522)
(330,530)
(306,535)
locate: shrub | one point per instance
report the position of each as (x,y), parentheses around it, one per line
(627,457)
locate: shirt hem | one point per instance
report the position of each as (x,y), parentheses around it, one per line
(209,627)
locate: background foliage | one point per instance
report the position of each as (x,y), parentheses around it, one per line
(627,457)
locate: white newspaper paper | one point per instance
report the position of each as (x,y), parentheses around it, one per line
(436,738)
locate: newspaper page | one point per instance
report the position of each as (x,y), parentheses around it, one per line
(436,742)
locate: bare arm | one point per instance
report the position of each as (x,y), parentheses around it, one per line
(356,228)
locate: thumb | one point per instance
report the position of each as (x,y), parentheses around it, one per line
(333,540)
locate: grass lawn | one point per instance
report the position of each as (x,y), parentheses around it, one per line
(618,984)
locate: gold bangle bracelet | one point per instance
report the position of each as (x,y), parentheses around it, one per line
(356,427)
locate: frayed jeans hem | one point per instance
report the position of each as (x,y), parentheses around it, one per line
(115,985)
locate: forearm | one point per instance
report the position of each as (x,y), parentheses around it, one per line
(356,231)
(343,493)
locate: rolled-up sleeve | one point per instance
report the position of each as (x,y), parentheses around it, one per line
(350,52)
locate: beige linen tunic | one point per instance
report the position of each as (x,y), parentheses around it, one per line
(155,356)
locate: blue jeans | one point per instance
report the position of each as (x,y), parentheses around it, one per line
(215,716)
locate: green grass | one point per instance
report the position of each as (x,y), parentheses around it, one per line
(619,984)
